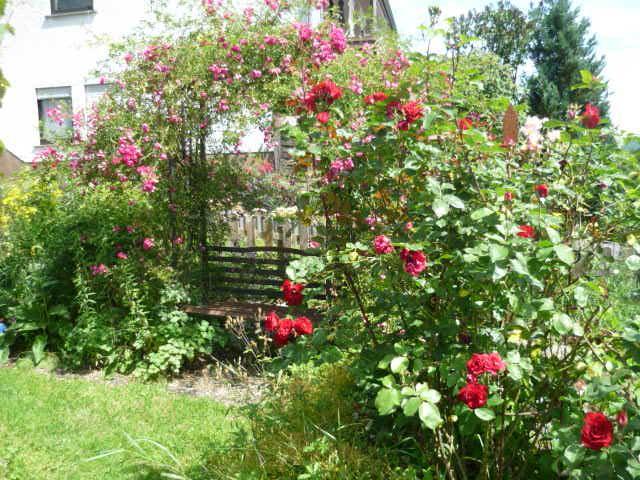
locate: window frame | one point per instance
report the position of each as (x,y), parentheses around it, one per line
(42,114)
(57,11)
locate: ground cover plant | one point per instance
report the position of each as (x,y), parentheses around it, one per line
(462,244)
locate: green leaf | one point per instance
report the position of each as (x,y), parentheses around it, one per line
(554,236)
(498,252)
(481,213)
(565,253)
(411,406)
(387,400)
(574,454)
(498,273)
(562,323)
(454,201)
(484,414)
(399,364)
(431,396)
(38,348)
(581,295)
(633,263)
(429,415)
(440,207)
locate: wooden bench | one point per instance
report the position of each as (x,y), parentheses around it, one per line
(246,281)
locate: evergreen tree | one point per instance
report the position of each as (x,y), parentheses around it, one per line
(561,47)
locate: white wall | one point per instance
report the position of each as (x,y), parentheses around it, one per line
(54,51)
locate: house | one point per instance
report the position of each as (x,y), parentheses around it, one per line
(59,43)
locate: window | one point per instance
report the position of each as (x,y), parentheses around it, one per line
(70,6)
(54,112)
(93,92)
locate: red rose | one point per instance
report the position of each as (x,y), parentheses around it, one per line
(474,395)
(271,322)
(526,231)
(597,431)
(590,116)
(303,326)
(495,364)
(464,123)
(283,333)
(414,261)
(542,190)
(476,364)
(382,245)
(412,111)
(480,363)
(292,292)
(325,91)
(392,108)
(375,98)
(508,196)
(322,117)
(622,419)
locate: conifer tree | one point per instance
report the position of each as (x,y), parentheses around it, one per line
(562,46)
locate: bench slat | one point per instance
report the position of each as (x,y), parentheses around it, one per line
(248,280)
(257,261)
(292,251)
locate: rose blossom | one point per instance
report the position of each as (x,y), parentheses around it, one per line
(526,231)
(597,431)
(622,418)
(474,395)
(480,363)
(303,326)
(590,116)
(382,245)
(542,190)
(283,332)
(414,261)
(292,292)
(148,243)
(271,322)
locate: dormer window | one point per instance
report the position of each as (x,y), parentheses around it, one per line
(70,6)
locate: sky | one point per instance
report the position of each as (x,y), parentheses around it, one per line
(616,24)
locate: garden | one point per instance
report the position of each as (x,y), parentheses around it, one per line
(458,313)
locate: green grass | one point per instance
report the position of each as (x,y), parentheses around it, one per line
(49,427)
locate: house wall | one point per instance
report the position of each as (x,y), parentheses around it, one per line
(55,51)
(62,51)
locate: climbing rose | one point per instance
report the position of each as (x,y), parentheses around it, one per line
(338,39)
(414,261)
(121,256)
(148,243)
(526,231)
(375,98)
(464,123)
(283,332)
(99,269)
(473,395)
(597,431)
(322,117)
(303,326)
(622,418)
(542,190)
(590,116)
(412,112)
(508,196)
(324,91)
(271,322)
(292,292)
(382,245)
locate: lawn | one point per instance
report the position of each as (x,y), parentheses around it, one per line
(49,427)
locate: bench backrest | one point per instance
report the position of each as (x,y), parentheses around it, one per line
(249,272)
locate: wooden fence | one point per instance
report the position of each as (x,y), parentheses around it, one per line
(261,229)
